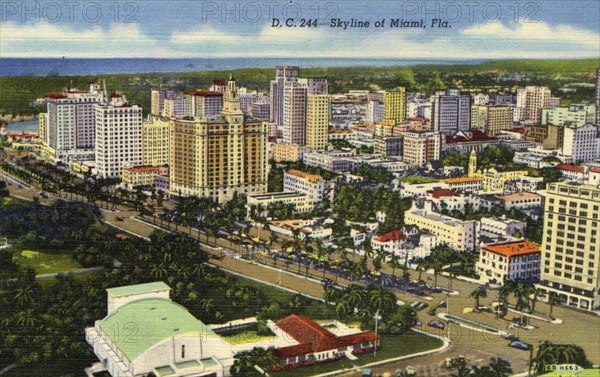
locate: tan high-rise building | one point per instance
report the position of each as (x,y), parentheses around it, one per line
(317,120)
(571,244)
(492,119)
(530,102)
(420,147)
(394,106)
(221,155)
(155,141)
(42,125)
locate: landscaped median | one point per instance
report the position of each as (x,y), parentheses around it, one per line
(472,325)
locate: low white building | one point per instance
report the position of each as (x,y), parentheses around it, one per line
(144,333)
(513,260)
(494,227)
(391,242)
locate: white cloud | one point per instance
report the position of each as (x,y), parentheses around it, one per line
(534,32)
(49,40)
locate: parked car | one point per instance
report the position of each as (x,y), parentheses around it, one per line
(419,305)
(519,345)
(367,373)
(410,371)
(119,218)
(437,324)
(442,304)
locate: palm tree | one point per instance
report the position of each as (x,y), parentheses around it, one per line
(553,300)
(394,262)
(382,299)
(479,292)
(522,295)
(499,368)
(422,265)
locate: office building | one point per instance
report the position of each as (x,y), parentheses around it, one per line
(295,104)
(157,100)
(155,141)
(492,120)
(375,111)
(394,106)
(576,114)
(581,143)
(71,123)
(118,136)
(203,104)
(318,108)
(282,75)
(451,113)
(420,147)
(571,244)
(530,101)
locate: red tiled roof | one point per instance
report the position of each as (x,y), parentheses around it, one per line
(22,135)
(362,337)
(314,338)
(291,351)
(204,94)
(412,119)
(511,249)
(219,82)
(520,130)
(595,170)
(573,168)
(305,330)
(393,235)
(141,168)
(475,135)
(115,95)
(442,192)
(55,96)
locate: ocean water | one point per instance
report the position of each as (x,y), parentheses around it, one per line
(76,67)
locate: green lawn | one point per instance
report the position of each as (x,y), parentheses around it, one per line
(417,180)
(44,262)
(391,346)
(7,200)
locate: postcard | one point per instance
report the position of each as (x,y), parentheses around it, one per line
(220,188)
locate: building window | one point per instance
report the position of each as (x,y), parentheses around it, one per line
(183,352)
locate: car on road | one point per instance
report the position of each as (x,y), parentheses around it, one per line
(419,305)
(119,218)
(437,324)
(44,194)
(442,304)
(410,371)
(367,373)
(519,345)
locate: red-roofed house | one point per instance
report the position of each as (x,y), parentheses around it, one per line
(571,171)
(391,242)
(317,344)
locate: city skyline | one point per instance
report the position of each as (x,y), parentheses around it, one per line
(541,29)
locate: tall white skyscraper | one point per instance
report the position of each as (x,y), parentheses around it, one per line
(118,136)
(282,75)
(295,100)
(598,97)
(70,129)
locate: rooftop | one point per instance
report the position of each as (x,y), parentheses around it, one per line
(138,169)
(518,196)
(462,180)
(137,289)
(155,320)
(440,193)
(312,337)
(511,249)
(393,235)
(313,178)
(204,94)
(568,167)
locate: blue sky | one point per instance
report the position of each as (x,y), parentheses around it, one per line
(199,28)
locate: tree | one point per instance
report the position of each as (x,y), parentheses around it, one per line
(422,265)
(479,292)
(499,367)
(394,262)
(553,300)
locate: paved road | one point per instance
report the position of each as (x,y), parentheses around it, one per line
(54,274)
(579,327)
